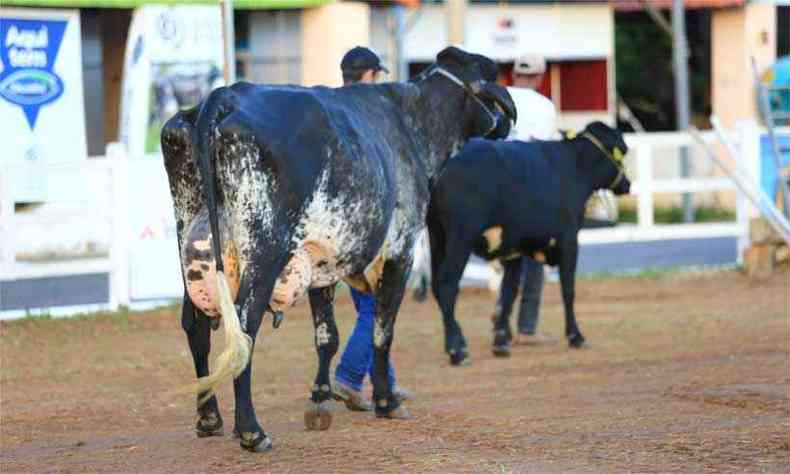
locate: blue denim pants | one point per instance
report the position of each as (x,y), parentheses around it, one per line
(532,284)
(532,273)
(357,358)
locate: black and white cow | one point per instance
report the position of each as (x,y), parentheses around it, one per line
(303,187)
(518,198)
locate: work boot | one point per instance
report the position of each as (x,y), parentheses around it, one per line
(353,399)
(537,339)
(401,394)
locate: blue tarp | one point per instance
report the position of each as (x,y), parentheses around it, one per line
(768,172)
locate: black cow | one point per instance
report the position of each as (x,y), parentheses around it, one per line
(302,187)
(502,200)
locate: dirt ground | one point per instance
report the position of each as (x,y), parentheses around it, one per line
(686,373)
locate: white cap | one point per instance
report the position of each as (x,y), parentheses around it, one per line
(530,64)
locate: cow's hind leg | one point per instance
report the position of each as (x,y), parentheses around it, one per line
(448,267)
(197,326)
(317,415)
(507,294)
(253,438)
(389,296)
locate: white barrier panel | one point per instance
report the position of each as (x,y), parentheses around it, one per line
(153,249)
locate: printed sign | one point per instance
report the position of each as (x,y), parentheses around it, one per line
(173,60)
(41,100)
(28,52)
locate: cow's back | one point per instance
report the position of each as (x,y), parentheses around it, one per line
(338,165)
(512,187)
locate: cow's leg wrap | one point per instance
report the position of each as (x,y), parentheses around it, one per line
(317,415)
(197,326)
(389,295)
(446,280)
(507,295)
(569,250)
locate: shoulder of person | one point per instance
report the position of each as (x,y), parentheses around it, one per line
(524,98)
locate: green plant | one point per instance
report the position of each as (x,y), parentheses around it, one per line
(674,215)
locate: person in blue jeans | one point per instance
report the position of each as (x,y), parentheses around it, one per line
(361,65)
(357,359)
(532,281)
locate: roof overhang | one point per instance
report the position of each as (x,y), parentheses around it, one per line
(637,5)
(238,4)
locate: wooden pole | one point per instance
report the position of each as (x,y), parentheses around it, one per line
(228,39)
(456,22)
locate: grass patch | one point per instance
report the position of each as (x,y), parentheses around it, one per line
(36,316)
(674,215)
(652,272)
(649,272)
(121,317)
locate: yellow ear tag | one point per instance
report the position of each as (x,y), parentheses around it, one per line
(570,134)
(618,155)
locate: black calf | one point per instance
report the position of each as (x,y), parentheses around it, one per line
(509,199)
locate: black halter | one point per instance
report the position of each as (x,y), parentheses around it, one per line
(471,90)
(618,163)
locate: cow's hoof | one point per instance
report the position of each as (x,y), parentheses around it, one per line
(502,350)
(208,425)
(577,341)
(460,357)
(501,345)
(400,413)
(256,442)
(317,416)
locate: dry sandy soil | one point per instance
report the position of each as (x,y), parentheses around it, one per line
(686,373)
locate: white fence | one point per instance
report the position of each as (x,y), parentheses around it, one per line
(121,205)
(93,187)
(641,166)
(118,190)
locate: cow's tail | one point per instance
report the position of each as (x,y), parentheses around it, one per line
(238,345)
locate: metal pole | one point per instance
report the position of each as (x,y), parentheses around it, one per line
(228,40)
(401,68)
(751,190)
(680,56)
(456,21)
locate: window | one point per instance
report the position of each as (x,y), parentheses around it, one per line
(583,86)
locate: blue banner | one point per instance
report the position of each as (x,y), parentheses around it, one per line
(28,50)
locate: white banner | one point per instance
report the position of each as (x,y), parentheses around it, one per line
(42,111)
(153,249)
(173,60)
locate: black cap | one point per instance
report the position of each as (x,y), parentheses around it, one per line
(361,59)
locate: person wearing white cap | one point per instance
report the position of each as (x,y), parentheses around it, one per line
(537,118)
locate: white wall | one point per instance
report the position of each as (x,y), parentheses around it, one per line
(557,31)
